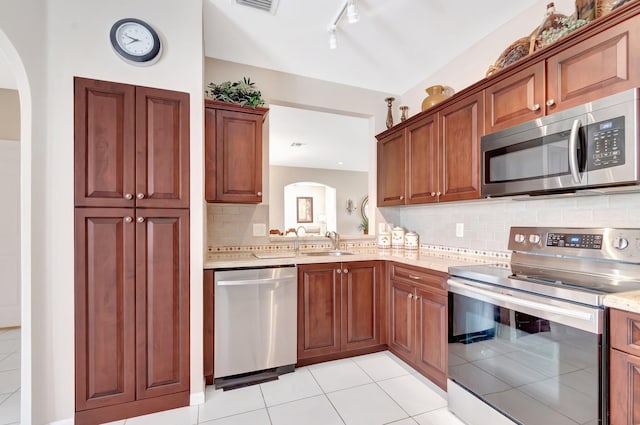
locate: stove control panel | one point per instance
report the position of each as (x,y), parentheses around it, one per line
(622,244)
(575,240)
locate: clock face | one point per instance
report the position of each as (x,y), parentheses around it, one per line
(135,41)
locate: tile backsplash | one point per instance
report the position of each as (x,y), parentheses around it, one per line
(487,222)
(232,225)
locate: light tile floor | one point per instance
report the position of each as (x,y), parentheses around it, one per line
(9,376)
(374,389)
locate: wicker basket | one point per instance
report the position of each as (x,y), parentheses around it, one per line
(516,51)
(603,7)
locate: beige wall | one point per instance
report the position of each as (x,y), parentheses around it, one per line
(9,114)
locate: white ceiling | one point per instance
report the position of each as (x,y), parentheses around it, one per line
(329,141)
(394,47)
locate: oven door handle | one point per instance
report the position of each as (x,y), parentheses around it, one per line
(469,290)
(573,151)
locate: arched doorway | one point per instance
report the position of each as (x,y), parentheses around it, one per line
(15,65)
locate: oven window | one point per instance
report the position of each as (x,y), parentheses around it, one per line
(536,371)
(543,157)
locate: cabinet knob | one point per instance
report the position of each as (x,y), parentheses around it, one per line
(439,193)
(140,195)
(551,102)
(140,220)
(433,194)
(417,298)
(128,219)
(401,197)
(259,193)
(346,270)
(409,295)
(128,196)
(338,271)
(535,107)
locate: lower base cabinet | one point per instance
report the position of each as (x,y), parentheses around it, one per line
(418,320)
(340,310)
(624,368)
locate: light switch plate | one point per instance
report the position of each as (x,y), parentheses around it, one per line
(459,230)
(259,229)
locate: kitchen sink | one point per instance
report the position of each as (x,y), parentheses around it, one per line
(332,253)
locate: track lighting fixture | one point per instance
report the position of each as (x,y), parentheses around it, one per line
(350,7)
(352,11)
(333,40)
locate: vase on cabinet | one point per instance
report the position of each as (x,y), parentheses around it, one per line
(436,94)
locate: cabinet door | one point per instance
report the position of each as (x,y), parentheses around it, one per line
(516,99)
(402,332)
(104,138)
(461,127)
(431,336)
(360,304)
(422,161)
(104,307)
(624,389)
(391,169)
(162,148)
(238,157)
(602,65)
(318,309)
(162,302)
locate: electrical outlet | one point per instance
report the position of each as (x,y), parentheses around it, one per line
(259,229)
(459,230)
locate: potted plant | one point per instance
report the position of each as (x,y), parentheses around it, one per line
(364,225)
(241,92)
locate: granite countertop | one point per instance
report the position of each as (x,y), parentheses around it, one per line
(628,301)
(434,260)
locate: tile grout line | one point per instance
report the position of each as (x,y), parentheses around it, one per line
(266,408)
(327,396)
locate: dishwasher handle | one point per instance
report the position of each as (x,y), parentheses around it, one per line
(245,282)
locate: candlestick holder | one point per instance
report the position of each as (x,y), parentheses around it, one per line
(404,110)
(389,101)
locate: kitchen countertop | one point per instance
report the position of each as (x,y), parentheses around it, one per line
(627,301)
(434,260)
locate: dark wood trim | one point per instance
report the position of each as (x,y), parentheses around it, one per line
(227,106)
(132,409)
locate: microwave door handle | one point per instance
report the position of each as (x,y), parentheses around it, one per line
(573,151)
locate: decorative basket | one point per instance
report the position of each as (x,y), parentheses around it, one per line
(603,7)
(516,51)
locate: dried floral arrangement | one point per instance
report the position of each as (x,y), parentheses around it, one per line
(241,92)
(565,26)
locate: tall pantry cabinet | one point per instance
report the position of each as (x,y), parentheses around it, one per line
(131,250)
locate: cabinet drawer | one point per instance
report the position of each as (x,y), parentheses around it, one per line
(625,331)
(419,276)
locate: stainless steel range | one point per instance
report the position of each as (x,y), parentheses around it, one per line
(529,338)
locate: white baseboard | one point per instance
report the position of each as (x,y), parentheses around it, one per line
(68,421)
(196,398)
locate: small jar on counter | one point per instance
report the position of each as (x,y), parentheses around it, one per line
(397,237)
(411,241)
(384,240)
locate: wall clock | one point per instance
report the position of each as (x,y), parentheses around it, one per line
(135,41)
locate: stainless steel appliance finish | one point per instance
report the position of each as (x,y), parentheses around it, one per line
(528,338)
(592,145)
(255,319)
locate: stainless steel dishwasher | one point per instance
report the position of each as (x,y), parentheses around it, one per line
(255,324)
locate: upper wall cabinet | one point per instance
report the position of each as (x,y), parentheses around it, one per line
(433,159)
(589,68)
(233,151)
(131,146)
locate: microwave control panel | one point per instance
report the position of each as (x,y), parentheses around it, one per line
(605,141)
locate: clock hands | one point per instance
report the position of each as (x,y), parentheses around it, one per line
(133,39)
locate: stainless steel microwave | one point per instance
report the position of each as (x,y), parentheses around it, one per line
(592,145)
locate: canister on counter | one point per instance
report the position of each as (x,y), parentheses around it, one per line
(397,237)
(411,241)
(384,240)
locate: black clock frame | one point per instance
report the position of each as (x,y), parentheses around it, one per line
(128,56)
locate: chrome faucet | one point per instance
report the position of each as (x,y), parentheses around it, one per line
(335,238)
(296,244)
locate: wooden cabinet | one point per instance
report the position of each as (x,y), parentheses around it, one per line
(418,319)
(433,159)
(131,146)
(339,309)
(131,256)
(601,65)
(516,99)
(208,325)
(233,152)
(624,373)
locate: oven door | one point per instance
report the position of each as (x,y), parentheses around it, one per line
(537,360)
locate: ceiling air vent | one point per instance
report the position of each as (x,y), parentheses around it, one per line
(265,5)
